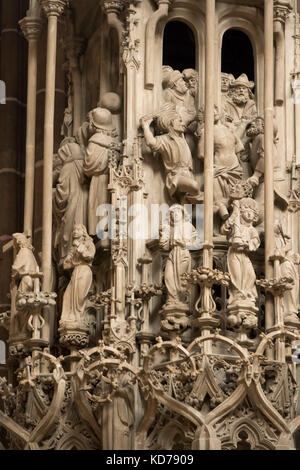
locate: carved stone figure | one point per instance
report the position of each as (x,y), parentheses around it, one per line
(96,162)
(177,236)
(242,238)
(288,269)
(25,264)
(227,169)
(79,259)
(175,153)
(191,78)
(226,80)
(180,93)
(120,413)
(255,131)
(70,197)
(240,108)
(25,281)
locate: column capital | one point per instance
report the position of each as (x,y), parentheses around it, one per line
(113,6)
(282,9)
(31,27)
(54,7)
(161,2)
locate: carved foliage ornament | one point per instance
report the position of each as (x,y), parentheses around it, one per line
(113,6)
(54,7)
(282,11)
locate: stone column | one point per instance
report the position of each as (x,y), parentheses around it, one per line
(209,132)
(269,137)
(53,9)
(206,323)
(31,26)
(282,8)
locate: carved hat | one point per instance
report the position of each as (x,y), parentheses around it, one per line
(173,77)
(243,80)
(101,118)
(229,76)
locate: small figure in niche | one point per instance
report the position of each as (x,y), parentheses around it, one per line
(242,238)
(79,258)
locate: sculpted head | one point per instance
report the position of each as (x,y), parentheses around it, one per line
(101,120)
(226,80)
(191,79)
(22,241)
(169,120)
(249,210)
(176,82)
(241,90)
(256,127)
(79,231)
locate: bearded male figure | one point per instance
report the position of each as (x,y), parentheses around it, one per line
(240,108)
(227,169)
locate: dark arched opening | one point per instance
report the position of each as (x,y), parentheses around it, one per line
(297,439)
(237,54)
(179,47)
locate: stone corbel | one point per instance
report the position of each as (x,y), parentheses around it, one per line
(282,9)
(159,14)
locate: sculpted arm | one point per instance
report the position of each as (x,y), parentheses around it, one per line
(151,141)
(200,147)
(254,241)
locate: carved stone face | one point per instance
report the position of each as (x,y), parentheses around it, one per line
(176,215)
(255,128)
(248,214)
(240,94)
(225,84)
(178,125)
(77,232)
(192,84)
(260,125)
(181,86)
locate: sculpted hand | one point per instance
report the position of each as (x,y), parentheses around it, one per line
(254,181)
(146,120)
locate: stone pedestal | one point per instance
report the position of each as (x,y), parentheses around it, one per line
(174,318)
(73,335)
